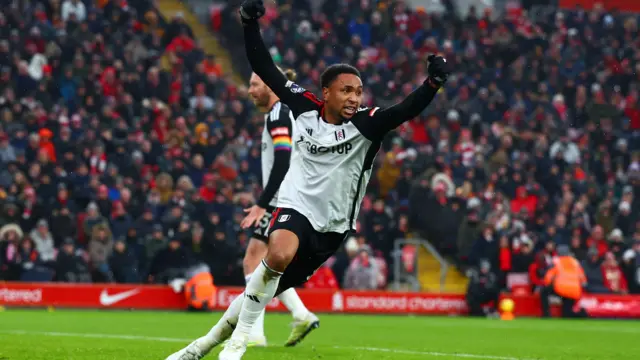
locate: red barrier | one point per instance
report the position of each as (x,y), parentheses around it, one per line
(147,297)
(622,5)
(612,306)
(366,302)
(143,297)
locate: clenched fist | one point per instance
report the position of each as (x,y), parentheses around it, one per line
(252,10)
(438,70)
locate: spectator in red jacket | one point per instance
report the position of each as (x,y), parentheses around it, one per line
(322,279)
(181,43)
(109,82)
(208,189)
(537,269)
(632,111)
(598,241)
(504,255)
(613,276)
(524,200)
(35,39)
(46,145)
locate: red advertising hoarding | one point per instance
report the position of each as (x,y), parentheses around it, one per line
(148,297)
(365,302)
(612,306)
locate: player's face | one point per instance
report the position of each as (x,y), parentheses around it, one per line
(259,92)
(344,96)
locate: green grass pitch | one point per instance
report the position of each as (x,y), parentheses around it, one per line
(119,335)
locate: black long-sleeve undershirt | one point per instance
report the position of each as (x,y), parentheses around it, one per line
(281,159)
(383,121)
(262,63)
(374,126)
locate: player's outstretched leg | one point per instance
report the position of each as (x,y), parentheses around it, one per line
(257,337)
(263,285)
(304,321)
(219,333)
(256,251)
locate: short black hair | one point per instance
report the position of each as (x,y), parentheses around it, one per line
(333,71)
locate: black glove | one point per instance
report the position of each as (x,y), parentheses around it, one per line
(438,70)
(251,10)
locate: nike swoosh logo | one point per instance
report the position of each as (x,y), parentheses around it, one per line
(108,300)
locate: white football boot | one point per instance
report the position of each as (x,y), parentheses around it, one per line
(233,349)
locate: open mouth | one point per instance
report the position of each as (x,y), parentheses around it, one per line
(349,110)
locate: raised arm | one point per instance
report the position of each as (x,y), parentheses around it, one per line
(298,99)
(381,121)
(376,122)
(261,62)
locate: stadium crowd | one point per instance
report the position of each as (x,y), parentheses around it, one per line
(532,144)
(114,126)
(127,154)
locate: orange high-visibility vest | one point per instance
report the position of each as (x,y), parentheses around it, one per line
(566,276)
(200,291)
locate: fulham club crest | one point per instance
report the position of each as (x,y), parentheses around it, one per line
(340,135)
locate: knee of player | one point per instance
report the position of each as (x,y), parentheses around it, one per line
(247,263)
(256,251)
(278,259)
(283,245)
(250,256)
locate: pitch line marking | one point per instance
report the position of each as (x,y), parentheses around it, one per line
(430,353)
(180,340)
(104,336)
